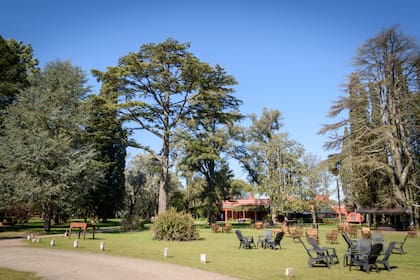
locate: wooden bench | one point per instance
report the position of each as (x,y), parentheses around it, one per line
(82,226)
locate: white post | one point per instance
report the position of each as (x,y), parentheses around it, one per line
(288,272)
(52,242)
(76,243)
(165,252)
(203,258)
(102,245)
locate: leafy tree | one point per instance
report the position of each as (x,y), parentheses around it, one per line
(380,145)
(142,187)
(207,139)
(273,161)
(109,139)
(16,63)
(158,84)
(46,163)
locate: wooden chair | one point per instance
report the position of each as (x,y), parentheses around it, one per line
(412,233)
(353,231)
(366,233)
(312,233)
(227,228)
(332,236)
(214,228)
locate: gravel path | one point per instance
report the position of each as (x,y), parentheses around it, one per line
(63,265)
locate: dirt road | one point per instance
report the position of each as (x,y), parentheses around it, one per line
(63,265)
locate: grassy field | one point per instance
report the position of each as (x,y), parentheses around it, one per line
(223,255)
(7,274)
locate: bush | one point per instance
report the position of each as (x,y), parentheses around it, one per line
(132,223)
(174,226)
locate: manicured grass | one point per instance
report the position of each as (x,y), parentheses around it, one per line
(8,274)
(223,255)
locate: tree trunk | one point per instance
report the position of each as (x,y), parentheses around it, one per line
(46,217)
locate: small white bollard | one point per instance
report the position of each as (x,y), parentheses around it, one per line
(165,252)
(76,243)
(28,237)
(52,242)
(66,234)
(288,272)
(102,246)
(203,258)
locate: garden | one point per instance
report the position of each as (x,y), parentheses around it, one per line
(222,252)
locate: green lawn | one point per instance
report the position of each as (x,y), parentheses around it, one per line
(7,274)
(223,255)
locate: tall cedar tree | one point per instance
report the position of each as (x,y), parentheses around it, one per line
(46,163)
(157,85)
(381,144)
(109,140)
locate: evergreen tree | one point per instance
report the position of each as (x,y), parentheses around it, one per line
(46,163)
(383,111)
(157,86)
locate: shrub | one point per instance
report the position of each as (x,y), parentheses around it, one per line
(174,226)
(132,223)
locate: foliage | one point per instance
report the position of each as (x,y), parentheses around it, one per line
(174,226)
(46,163)
(158,86)
(273,161)
(16,62)
(379,138)
(132,223)
(109,139)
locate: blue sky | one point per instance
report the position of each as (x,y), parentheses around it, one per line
(287,55)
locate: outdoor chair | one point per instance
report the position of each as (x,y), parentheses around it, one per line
(263,240)
(353,231)
(368,261)
(329,251)
(246,242)
(227,228)
(314,257)
(366,233)
(312,233)
(351,249)
(378,238)
(398,246)
(387,254)
(331,237)
(276,242)
(214,228)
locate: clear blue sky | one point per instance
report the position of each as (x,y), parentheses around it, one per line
(286,55)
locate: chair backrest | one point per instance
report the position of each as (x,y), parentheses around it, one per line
(313,242)
(405,238)
(348,240)
(239,234)
(364,246)
(278,238)
(268,234)
(377,237)
(374,252)
(388,251)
